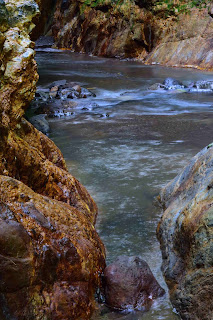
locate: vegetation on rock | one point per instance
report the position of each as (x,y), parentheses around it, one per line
(51,255)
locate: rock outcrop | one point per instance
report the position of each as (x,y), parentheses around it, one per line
(51,255)
(130,284)
(135,29)
(186,238)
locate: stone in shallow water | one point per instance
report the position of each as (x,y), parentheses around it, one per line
(39,121)
(130,285)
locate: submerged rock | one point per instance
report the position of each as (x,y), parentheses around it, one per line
(185,233)
(39,121)
(130,285)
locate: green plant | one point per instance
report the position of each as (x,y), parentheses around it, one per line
(175,6)
(171,6)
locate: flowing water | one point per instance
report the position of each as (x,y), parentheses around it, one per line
(126,147)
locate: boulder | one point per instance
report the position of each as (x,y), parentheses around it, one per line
(51,256)
(185,233)
(130,285)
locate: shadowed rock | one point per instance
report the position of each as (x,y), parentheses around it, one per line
(186,238)
(129,284)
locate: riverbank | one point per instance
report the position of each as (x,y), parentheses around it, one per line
(133,30)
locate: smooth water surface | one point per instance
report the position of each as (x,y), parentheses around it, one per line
(125,148)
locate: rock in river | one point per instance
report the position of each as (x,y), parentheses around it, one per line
(51,256)
(130,285)
(186,238)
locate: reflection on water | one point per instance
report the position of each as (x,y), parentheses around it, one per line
(125,159)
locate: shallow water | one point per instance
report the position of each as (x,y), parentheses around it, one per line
(127,147)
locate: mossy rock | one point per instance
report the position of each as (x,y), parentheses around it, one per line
(3,16)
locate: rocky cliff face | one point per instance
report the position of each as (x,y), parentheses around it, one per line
(51,255)
(135,29)
(186,237)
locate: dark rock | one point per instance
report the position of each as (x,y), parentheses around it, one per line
(39,121)
(57,108)
(129,284)
(44,42)
(4,15)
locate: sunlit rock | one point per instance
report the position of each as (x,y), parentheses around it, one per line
(51,255)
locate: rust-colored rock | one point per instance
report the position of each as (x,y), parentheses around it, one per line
(186,43)
(51,255)
(186,238)
(107,29)
(130,284)
(139,29)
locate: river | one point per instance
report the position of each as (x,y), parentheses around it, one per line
(126,147)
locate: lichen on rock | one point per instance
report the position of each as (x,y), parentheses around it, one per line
(185,233)
(51,255)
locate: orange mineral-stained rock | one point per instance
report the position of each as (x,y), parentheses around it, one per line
(145,30)
(51,256)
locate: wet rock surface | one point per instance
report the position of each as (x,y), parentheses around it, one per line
(40,123)
(173,84)
(186,238)
(130,284)
(138,29)
(61,98)
(51,255)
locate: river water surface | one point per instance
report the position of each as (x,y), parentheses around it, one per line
(126,147)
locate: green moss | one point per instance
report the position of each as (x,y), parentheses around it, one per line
(3,16)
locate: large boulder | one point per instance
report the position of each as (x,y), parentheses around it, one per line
(185,233)
(130,284)
(51,256)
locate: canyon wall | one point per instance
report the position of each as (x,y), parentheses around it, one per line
(51,255)
(135,29)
